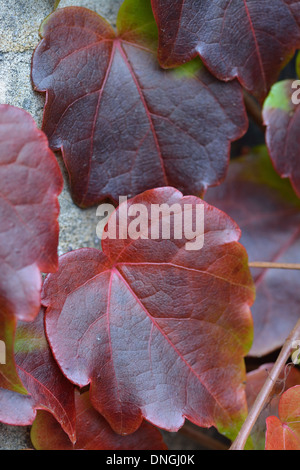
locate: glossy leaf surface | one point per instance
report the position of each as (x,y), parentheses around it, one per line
(123,124)
(93,432)
(248,39)
(268,213)
(30,181)
(153,327)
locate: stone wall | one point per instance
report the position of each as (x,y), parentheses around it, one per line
(19,25)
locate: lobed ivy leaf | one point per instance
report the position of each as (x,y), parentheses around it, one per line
(255,381)
(283,433)
(30,181)
(282,118)
(268,212)
(48,389)
(246,39)
(158,331)
(93,432)
(123,124)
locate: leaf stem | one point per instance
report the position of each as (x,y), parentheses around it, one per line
(263,395)
(254,110)
(270,265)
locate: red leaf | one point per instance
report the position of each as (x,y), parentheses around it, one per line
(245,39)
(268,212)
(123,124)
(93,432)
(158,331)
(282,118)
(48,389)
(284,433)
(255,381)
(30,181)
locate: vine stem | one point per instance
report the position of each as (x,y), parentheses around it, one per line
(263,395)
(254,110)
(267,265)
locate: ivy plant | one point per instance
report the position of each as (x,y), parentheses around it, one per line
(156,330)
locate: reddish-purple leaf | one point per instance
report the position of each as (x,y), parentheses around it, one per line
(268,212)
(30,181)
(284,433)
(248,39)
(92,431)
(282,117)
(48,389)
(255,381)
(158,331)
(123,124)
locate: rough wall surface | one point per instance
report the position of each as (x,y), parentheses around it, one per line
(19,25)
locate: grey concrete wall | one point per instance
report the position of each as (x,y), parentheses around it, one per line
(19,25)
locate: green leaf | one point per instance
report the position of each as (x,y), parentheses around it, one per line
(9,378)
(280,97)
(136,23)
(281,113)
